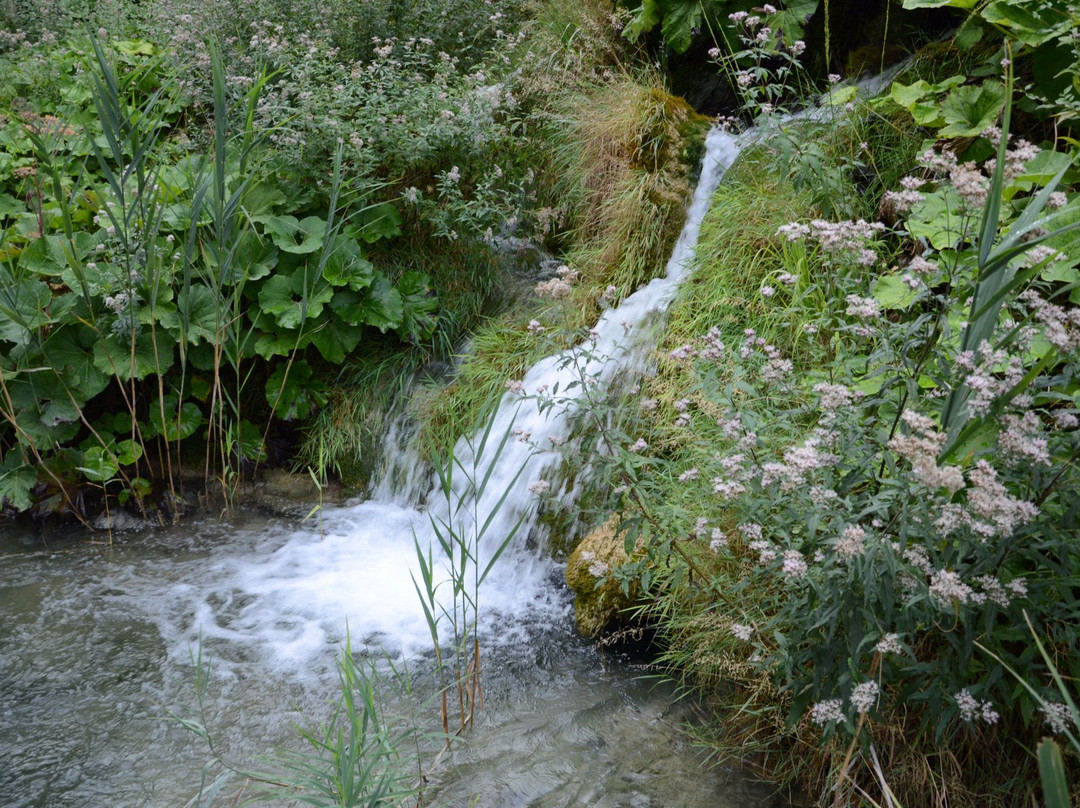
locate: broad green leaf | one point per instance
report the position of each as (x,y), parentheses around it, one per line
(30,393)
(16,482)
(128,452)
(23,305)
(261,198)
(253,257)
(968,110)
(133,47)
(969,34)
(276,298)
(1030,22)
(247,441)
(180,421)
(788,21)
(276,343)
(644,18)
(336,339)
(680,19)
(927,114)
(1060,272)
(198,315)
(293,392)
(9,206)
(296,298)
(419,305)
(60,411)
(150,352)
(840,96)
(891,292)
(346,305)
(1040,169)
(382,306)
(939,220)
(906,95)
(99,465)
(51,255)
(296,236)
(69,350)
(346,265)
(377,222)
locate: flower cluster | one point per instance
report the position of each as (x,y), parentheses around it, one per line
(560,286)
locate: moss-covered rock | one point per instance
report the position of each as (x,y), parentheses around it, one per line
(599,605)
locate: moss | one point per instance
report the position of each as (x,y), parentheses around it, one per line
(599,604)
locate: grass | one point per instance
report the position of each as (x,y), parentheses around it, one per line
(501,349)
(346,436)
(621,151)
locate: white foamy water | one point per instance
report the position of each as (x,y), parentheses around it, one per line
(291,596)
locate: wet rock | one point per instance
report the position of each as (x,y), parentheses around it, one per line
(599,606)
(286,492)
(116,520)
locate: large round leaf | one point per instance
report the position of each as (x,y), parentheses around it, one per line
(346,265)
(293,392)
(149,352)
(293,299)
(296,236)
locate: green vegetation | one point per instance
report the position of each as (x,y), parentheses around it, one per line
(203,223)
(853,470)
(847,492)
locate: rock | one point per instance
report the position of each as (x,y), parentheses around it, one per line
(596,608)
(286,492)
(116,520)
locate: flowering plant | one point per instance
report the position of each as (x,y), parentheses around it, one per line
(885,476)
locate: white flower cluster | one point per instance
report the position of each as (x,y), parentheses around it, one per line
(991,510)
(834,237)
(988,374)
(921,448)
(825,711)
(971,709)
(1060,327)
(864,696)
(799,463)
(889,644)
(743,632)
(559,286)
(1020,440)
(1058,716)
(851,543)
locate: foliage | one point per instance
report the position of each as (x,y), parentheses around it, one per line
(272,170)
(357,758)
(472,529)
(135,254)
(1042,35)
(842,503)
(680,20)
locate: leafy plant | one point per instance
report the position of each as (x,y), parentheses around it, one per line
(472,531)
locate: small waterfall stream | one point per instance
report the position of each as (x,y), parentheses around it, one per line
(95,642)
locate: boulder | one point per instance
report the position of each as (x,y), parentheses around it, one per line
(599,601)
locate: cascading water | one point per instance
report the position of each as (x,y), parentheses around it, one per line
(98,642)
(358,567)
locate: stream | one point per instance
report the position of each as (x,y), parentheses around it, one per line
(97,641)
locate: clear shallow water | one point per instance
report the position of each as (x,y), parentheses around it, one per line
(95,644)
(95,641)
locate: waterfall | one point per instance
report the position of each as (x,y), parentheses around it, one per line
(619,342)
(284,598)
